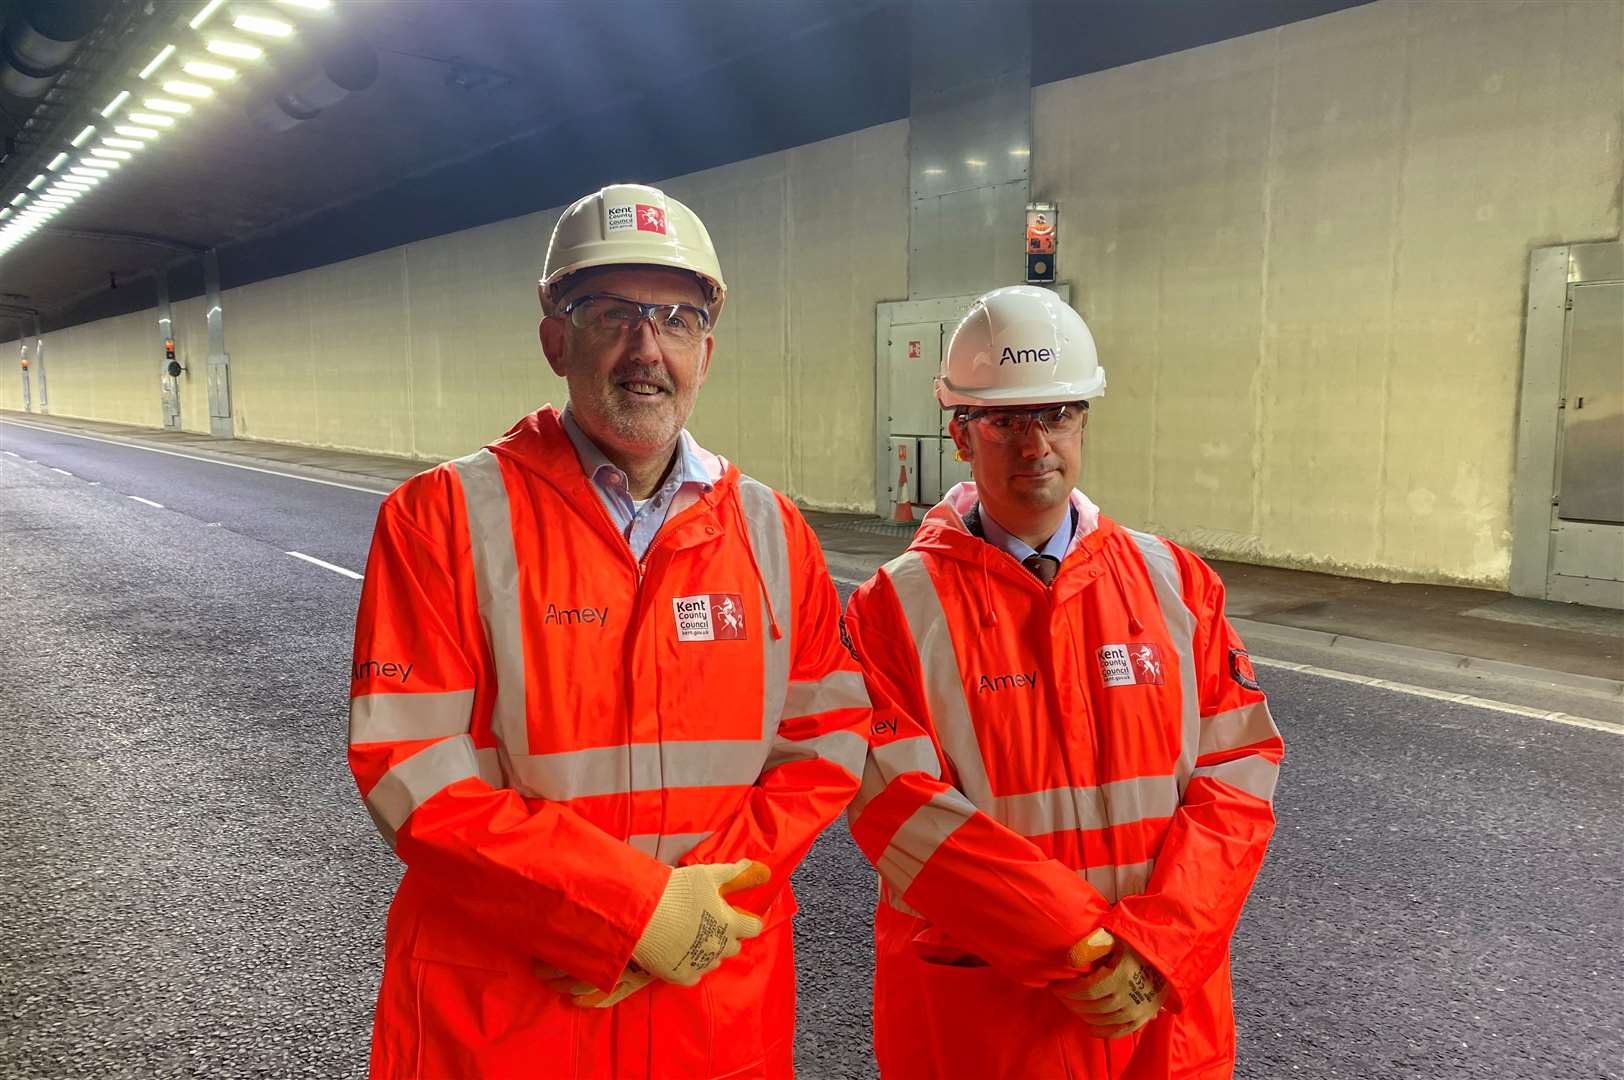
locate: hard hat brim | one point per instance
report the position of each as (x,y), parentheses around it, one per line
(951,397)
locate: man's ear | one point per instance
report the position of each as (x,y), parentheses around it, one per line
(552,343)
(961,437)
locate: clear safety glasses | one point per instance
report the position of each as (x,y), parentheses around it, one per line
(610,316)
(1007,425)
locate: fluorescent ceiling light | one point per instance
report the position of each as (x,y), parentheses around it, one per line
(71,185)
(114,105)
(55,200)
(179,108)
(99,163)
(204,70)
(80,170)
(258,24)
(181,88)
(117,155)
(158,61)
(34,184)
(203,16)
(157,120)
(122,144)
(310,5)
(7,212)
(237,50)
(19,198)
(84,136)
(56,162)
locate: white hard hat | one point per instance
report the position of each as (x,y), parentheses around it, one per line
(1020,346)
(630,225)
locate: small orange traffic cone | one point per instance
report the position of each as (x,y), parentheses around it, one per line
(904,510)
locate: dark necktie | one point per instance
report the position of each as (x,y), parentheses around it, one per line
(1043,567)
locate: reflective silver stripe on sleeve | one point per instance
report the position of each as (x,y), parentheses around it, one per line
(918,838)
(1237,728)
(618,770)
(1164,577)
(390,717)
(890,760)
(836,690)
(1253,774)
(939,666)
(414,781)
(496,584)
(667,848)
(490,766)
(765,522)
(846,749)
(1115,882)
(1062,809)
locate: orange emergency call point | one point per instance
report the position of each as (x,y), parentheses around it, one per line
(1042,241)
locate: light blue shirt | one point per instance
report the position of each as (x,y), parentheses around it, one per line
(1000,537)
(638,524)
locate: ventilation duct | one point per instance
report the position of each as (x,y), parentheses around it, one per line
(39,42)
(339,68)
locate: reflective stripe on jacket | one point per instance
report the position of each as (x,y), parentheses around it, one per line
(1046,762)
(542,725)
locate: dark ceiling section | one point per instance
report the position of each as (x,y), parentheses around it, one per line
(483,111)
(1075,37)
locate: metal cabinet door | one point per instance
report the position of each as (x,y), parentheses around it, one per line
(1590,486)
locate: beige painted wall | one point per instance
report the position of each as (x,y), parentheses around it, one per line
(430,350)
(104,370)
(1304,255)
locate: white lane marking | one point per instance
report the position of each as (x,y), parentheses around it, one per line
(194,457)
(64,472)
(325,565)
(146,502)
(1447,695)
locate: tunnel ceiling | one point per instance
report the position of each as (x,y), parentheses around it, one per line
(478,111)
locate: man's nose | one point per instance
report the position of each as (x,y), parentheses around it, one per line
(643,341)
(1033,442)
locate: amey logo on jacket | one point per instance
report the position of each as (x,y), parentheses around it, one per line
(709,617)
(1137,663)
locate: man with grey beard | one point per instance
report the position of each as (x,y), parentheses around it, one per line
(628,714)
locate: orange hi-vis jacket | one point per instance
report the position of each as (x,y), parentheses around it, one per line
(1047,762)
(541,725)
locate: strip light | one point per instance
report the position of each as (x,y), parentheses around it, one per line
(158,61)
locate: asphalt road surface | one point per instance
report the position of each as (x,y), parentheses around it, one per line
(190,887)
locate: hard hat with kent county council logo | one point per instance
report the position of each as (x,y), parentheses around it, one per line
(1020,346)
(630,225)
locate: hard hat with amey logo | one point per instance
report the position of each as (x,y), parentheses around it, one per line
(630,225)
(1020,346)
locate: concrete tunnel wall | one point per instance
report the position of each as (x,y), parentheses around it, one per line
(1303,253)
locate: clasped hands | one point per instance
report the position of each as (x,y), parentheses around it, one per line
(690,933)
(1118,992)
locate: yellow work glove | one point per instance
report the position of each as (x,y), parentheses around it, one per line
(693,929)
(1117,997)
(588,996)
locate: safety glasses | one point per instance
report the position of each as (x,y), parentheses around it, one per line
(1007,425)
(608,315)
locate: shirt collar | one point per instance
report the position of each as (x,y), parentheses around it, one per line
(1001,537)
(690,466)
